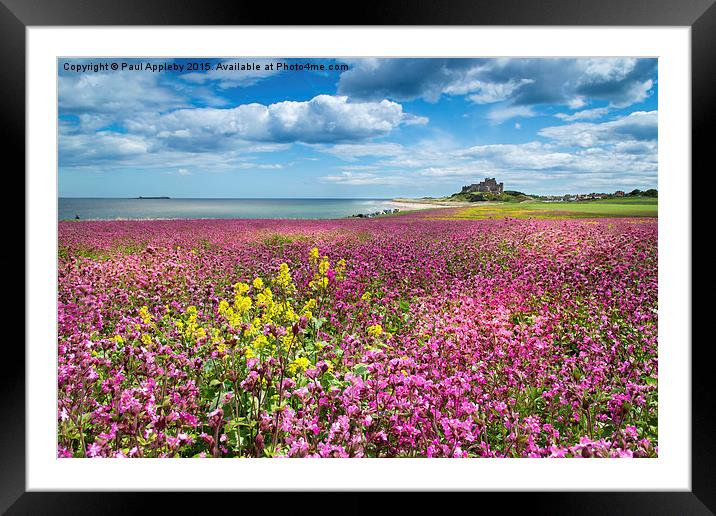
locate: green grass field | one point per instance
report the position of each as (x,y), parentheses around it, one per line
(624,207)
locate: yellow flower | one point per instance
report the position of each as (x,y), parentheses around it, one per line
(287,340)
(260,343)
(375,330)
(298,365)
(341,270)
(284,279)
(144,314)
(191,312)
(146,339)
(223,305)
(308,308)
(313,255)
(242,304)
(250,330)
(240,288)
(366,296)
(324,266)
(286,310)
(258,284)
(118,339)
(319,283)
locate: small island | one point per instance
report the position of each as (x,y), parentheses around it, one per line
(161,197)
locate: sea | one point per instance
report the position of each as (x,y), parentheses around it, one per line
(70,208)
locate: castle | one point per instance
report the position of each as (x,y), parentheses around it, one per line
(489,185)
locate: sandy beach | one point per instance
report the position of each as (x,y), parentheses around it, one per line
(419,204)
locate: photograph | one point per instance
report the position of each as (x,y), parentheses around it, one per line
(357,257)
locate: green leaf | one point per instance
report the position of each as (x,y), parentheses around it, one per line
(361,369)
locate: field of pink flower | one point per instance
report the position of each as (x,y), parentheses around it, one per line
(392,337)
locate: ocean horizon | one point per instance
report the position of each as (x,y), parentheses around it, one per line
(128,208)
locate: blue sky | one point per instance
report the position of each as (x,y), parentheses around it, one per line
(358,128)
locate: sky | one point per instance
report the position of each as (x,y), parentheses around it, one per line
(354,128)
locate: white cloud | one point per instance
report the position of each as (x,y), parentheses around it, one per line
(363,179)
(353,151)
(585,114)
(533,156)
(179,172)
(526,166)
(231,76)
(521,81)
(576,102)
(324,118)
(482,92)
(501,114)
(637,126)
(115,93)
(101,147)
(608,68)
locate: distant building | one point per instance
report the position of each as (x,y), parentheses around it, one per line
(489,185)
(619,193)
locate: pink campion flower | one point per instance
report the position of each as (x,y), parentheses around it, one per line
(259,441)
(189,419)
(299,448)
(558,452)
(108,436)
(495,308)
(301,393)
(251,382)
(216,413)
(500,407)
(63,453)
(185,438)
(623,453)
(94,450)
(207,438)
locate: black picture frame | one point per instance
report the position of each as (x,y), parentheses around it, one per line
(17,15)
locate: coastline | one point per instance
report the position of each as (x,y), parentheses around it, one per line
(426,204)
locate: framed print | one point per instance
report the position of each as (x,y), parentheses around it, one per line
(440,249)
